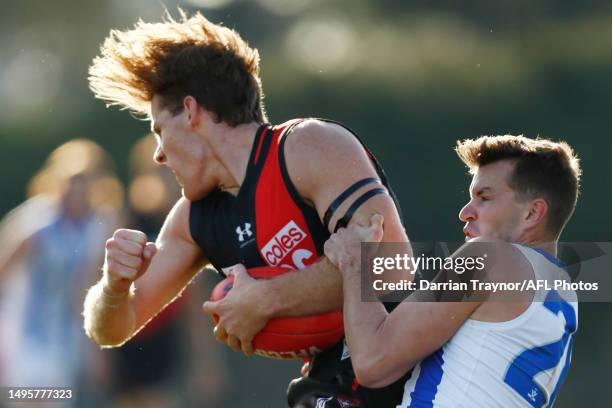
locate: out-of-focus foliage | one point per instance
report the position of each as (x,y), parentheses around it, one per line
(409,77)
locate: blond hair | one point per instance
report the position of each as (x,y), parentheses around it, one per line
(176,58)
(75,159)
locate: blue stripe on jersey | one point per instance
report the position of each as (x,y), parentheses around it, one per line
(568,359)
(551,258)
(557,305)
(521,373)
(426,386)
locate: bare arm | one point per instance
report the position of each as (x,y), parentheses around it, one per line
(140,279)
(19,227)
(313,152)
(10,254)
(384,346)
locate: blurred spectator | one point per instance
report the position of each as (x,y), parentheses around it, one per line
(165,365)
(51,248)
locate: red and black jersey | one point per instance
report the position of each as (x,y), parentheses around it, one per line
(267,222)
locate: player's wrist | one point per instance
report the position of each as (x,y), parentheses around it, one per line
(112,298)
(113,295)
(116,287)
(271,304)
(349,265)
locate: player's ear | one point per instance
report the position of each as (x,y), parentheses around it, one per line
(191,110)
(537,211)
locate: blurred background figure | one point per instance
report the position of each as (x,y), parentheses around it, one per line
(174,360)
(51,249)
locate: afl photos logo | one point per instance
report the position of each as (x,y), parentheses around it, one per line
(283,243)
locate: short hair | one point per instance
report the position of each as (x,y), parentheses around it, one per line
(173,59)
(543,169)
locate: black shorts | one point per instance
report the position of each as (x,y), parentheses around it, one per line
(331,384)
(311,393)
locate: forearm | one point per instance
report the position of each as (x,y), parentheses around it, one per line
(109,318)
(363,320)
(11,252)
(312,290)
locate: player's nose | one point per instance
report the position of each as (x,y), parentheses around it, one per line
(159,156)
(467,213)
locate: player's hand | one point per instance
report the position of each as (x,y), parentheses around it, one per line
(240,312)
(305,369)
(128,255)
(344,247)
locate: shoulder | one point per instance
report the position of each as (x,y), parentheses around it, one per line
(319,137)
(33,213)
(502,260)
(321,154)
(507,267)
(28,219)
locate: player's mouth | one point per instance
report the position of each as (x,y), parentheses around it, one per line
(469,234)
(178,180)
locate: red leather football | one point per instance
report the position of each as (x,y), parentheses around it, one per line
(289,337)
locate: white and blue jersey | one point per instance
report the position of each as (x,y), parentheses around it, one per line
(43,340)
(517,363)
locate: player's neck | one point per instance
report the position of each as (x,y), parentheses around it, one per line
(548,246)
(539,238)
(232,148)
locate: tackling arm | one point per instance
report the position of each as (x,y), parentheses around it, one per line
(384,346)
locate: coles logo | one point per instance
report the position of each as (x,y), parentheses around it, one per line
(282,243)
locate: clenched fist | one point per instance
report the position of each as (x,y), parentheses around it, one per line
(128,255)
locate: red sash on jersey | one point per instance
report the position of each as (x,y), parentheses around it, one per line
(282,232)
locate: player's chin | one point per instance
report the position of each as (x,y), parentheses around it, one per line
(193,194)
(471,237)
(188,195)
